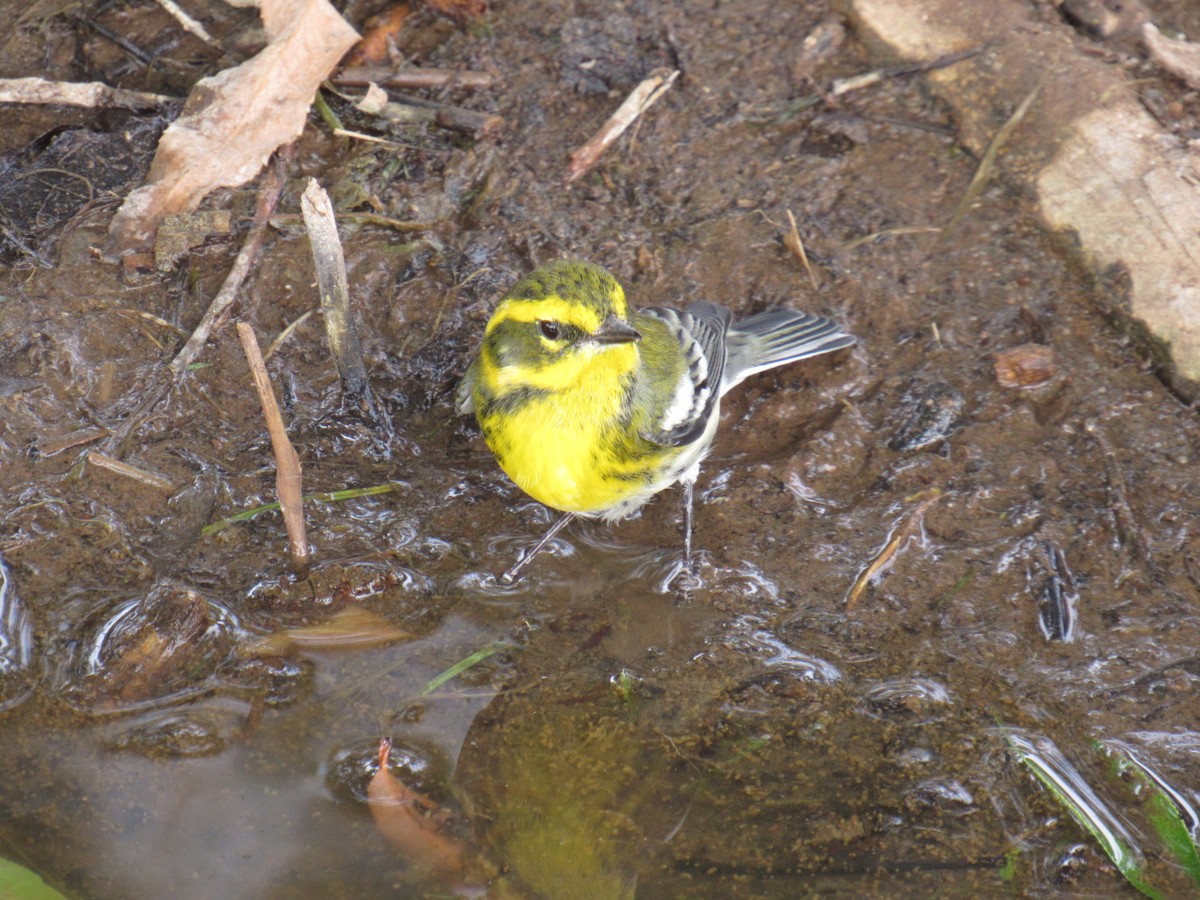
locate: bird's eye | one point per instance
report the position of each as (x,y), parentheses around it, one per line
(549,329)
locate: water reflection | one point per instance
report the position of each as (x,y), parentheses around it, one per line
(16,645)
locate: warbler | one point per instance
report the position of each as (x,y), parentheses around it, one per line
(592,407)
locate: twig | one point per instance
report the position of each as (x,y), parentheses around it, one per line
(72,93)
(792,241)
(455,118)
(867,79)
(128,46)
(186,22)
(364,218)
(984,171)
(889,232)
(639,100)
(287,462)
(361,136)
(411,79)
(126,470)
(1128,530)
(48,446)
(150,317)
(330,264)
(287,333)
(896,542)
(214,317)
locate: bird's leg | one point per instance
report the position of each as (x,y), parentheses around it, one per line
(689,485)
(519,566)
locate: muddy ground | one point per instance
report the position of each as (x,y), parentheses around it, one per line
(754,739)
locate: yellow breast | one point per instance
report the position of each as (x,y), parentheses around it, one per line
(563,445)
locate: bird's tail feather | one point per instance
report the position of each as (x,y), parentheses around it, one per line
(778,337)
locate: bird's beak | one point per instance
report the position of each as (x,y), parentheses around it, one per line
(615,331)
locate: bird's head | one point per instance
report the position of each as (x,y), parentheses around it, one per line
(565,321)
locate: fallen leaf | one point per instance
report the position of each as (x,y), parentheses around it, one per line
(1180,58)
(409,822)
(233,121)
(353,628)
(378,30)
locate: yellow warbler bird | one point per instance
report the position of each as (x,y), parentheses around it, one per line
(592,407)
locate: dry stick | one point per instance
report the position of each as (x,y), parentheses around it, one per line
(127,470)
(412,78)
(287,463)
(455,118)
(71,93)
(187,22)
(792,241)
(335,302)
(639,100)
(867,79)
(48,446)
(268,198)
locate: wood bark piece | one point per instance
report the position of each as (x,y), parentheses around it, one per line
(1096,162)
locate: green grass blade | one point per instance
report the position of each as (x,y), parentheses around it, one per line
(1175,820)
(461,666)
(19,883)
(1063,782)
(323,497)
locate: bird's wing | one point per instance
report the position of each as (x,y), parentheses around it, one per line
(700,330)
(464,400)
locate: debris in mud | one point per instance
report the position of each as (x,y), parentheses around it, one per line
(378,43)
(195,733)
(601,55)
(180,233)
(1058,598)
(59,176)
(1106,19)
(1029,365)
(353,628)
(150,647)
(934,411)
(458,10)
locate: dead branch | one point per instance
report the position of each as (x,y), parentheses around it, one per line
(69,93)
(330,264)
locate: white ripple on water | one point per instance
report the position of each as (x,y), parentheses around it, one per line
(16,644)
